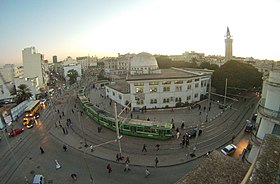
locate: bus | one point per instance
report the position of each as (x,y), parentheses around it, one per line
(32,108)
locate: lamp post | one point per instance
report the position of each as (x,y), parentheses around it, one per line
(118,130)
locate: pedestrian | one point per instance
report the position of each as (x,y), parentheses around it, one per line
(65,147)
(232,138)
(131,115)
(58,111)
(42,150)
(182,125)
(59,116)
(156,161)
(126,168)
(178,135)
(117,157)
(157,146)
(66,131)
(72,111)
(144,148)
(62,113)
(91,148)
(177,129)
(109,168)
(63,129)
(147,172)
(187,142)
(127,160)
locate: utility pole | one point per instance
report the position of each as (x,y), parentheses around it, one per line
(118,130)
(225,94)
(209,99)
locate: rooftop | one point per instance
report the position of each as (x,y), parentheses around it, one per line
(216,168)
(170,73)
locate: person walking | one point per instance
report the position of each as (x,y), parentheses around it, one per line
(65,147)
(91,148)
(147,172)
(126,168)
(178,135)
(156,161)
(42,150)
(144,148)
(157,146)
(117,157)
(109,168)
(127,160)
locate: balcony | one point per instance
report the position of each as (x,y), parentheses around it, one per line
(268,113)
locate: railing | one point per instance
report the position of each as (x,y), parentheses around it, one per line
(268,113)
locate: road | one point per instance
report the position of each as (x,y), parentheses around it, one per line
(21,157)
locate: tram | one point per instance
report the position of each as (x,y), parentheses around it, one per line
(132,127)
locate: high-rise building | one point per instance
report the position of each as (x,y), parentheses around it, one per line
(54,59)
(33,65)
(228,50)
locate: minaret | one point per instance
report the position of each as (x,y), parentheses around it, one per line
(228,50)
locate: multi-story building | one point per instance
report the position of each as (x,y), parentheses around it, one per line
(55,59)
(87,62)
(117,65)
(33,65)
(268,111)
(146,86)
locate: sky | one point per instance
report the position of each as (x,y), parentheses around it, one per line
(108,27)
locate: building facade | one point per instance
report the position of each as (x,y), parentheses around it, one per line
(268,111)
(33,65)
(148,87)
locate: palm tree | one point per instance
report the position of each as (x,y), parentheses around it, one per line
(23,93)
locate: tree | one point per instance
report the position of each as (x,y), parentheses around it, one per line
(166,62)
(23,93)
(72,74)
(239,75)
(209,66)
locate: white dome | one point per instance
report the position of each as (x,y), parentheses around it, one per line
(144,59)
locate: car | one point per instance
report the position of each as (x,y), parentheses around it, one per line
(254,117)
(192,132)
(229,149)
(249,128)
(37,115)
(30,124)
(43,101)
(16,132)
(38,179)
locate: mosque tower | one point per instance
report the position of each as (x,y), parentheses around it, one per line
(228,50)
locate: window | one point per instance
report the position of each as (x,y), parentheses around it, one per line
(178,99)
(140,102)
(138,83)
(166,88)
(153,101)
(189,81)
(171,99)
(139,90)
(166,100)
(178,82)
(114,94)
(196,85)
(152,90)
(178,88)
(189,87)
(196,80)
(166,82)
(153,83)
(107,90)
(120,97)
(196,95)
(188,97)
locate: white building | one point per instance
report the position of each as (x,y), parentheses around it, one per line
(117,65)
(147,86)
(87,62)
(33,65)
(268,119)
(72,66)
(31,83)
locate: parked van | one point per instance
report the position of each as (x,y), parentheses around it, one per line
(38,179)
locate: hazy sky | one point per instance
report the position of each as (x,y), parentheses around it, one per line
(107,27)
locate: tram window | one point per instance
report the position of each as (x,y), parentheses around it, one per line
(140,129)
(126,127)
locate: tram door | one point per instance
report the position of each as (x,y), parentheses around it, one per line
(133,129)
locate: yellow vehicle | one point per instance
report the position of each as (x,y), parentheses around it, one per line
(32,109)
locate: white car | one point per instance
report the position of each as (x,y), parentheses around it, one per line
(229,149)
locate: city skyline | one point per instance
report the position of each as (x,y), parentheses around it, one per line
(71,28)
